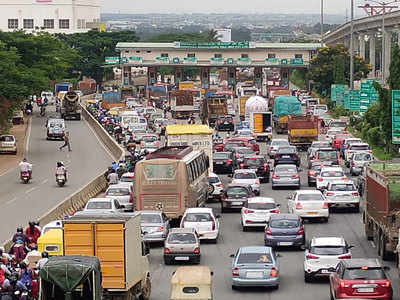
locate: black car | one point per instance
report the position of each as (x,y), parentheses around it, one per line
(284,230)
(241,152)
(259,163)
(314,170)
(287,155)
(225,123)
(235,196)
(326,154)
(224,162)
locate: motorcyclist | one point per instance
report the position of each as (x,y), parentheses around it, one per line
(114,165)
(43,260)
(61,170)
(121,169)
(25,277)
(20,243)
(33,256)
(131,144)
(112,177)
(32,232)
(24,166)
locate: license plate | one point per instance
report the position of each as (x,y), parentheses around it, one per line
(237,203)
(285,243)
(325,272)
(226,123)
(182,258)
(365,290)
(285,156)
(312,213)
(219,163)
(254,274)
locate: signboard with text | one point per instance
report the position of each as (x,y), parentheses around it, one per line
(396,116)
(111,60)
(216,45)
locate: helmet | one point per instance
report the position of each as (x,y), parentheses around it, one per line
(59,164)
(20,229)
(34,247)
(24,159)
(22,265)
(45,254)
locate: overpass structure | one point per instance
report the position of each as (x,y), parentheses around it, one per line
(230,55)
(368,29)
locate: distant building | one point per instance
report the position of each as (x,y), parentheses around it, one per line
(53,16)
(224,34)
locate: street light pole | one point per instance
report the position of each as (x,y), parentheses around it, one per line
(383,45)
(352,46)
(322,22)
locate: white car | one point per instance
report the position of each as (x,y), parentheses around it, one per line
(354,148)
(203,220)
(127,177)
(308,204)
(257,211)
(123,192)
(346,143)
(244,133)
(247,176)
(342,193)
(215,188)
(329,174)
(274,146)
(330,134)
(320,109)
(323,255)
(103,205)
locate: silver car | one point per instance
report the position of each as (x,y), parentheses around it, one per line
(155,225)
(274,146)
(285,175)
(342,193)
(247,176)
(358,161)
(122,192)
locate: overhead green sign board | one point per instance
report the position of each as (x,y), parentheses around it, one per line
(216,45)
(111,60)
(396,116)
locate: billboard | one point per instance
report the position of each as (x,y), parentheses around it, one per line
(224,34)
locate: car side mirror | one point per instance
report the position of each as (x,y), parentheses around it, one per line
(218,216)
(121,206)
(278,255)
(232,255)
(303,247)
(230,175)
(386,268)
(278,205)
(350,246)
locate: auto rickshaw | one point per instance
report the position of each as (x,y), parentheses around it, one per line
(51,242)
(18,117)
(191,282)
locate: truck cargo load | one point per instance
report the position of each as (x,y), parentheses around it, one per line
(70,106)
(111,99)
(242,105)
(186,85)
(181,103)
(116,241)
(382,206)
(260,119)
(302,129)
(215,106)
(87,86)
(275,93)
(284,106)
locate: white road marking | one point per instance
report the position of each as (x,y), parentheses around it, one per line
(44,181)
(27,138)
(11,201)
(372,244)
(30,190)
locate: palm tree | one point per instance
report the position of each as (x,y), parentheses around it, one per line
(213,36)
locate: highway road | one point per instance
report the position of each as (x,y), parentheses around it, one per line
(341,223)
(20,203)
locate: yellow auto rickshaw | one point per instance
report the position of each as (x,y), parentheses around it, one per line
(18,117)
(89,102)
(191,282)
(51,242)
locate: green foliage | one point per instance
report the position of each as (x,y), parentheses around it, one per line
(93,46)
(298,77)
(385,113)
(394,77)
(338,111)
(325,67)
(209,36)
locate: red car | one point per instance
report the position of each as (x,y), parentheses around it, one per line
(360,278)
(218,145)
(248,142)
(338,140)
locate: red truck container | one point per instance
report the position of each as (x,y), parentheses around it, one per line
(382,204)
(302,130)
(87,85)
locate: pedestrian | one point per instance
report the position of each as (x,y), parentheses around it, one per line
(66,141)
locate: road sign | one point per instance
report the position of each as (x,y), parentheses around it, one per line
(396,116)
(216,45)
(112,60)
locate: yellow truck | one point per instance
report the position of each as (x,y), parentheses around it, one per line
(261,124)
(242,105)
(302,130)
(116,241)
(185,85)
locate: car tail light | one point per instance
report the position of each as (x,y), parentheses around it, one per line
(295,156)
(231,121)
(346,256)
(248,211)
(295,176)
(228,161)
(353,163)
(320,179)
(386,284)
(167,251)
(275,211)
(325,205)
(275,176)
(298,205)
(160,228)
(301,231)
(355,193)
(223,197)
(219,121)
(343,284)
(268,231)
(236,155)
(344,178)
(274,272)
(257,181)
(235,271)
(311,173)
(242,166)
(219,185)
(196,250)
(265,167)
(213,225)
(311,256)
(329,193)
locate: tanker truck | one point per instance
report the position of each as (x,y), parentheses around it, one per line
(70,106)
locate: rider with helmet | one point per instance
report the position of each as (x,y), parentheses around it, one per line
(21,241)
(24,166)
(32,232)
(61,170)
(41,262)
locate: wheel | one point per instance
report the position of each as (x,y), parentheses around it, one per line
(267,179)
(356,208)
(325,220)
(79,117)
(222,208)
(307,277)
(273,187)
(331,295)
(146,290)
(367,231)
(385,255)
(211,189)
(244,228)
(234,287)
(309,184)
(275,287)
(167,261)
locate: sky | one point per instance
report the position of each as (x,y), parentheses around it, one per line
(230,6)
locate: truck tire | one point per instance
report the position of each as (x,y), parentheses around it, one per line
(78,117)
(385,255)
(146,290)
(367,229)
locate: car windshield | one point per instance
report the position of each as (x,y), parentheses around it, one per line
(284,223)
(261,205)
(254,258)
(333,131)
(126,179)
(117,192)
(244,150)
(254,162)
(243,175)
(328,250)
(310,197)
(213,180)
(150,218)
(320,145)
(6,138)
(286,169)
(364,273)
(279,143)
(198,217)
(221,155)
(181,238)
(99,205)
(237,191)
(337,124)
(290,150)
(245,132)
(363,157)
(230,146)
(332,154)
(342,187)
(332,174)
(359,147)
(149,138)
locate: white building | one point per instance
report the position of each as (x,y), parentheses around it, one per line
(224,34)
(54,16)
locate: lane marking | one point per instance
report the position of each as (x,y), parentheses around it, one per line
(44,181)
(11,201)
(28,137)
(30,190)
(372,244)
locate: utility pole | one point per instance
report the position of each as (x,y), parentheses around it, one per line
(322,22)
(352,45)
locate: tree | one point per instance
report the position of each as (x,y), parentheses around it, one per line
(184,37)
(394,77)
(93,46)
(322,67)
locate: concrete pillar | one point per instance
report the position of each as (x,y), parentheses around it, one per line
(346,42)
(205,77)
(356,45)
(151,75)
(285,77)
(362,45)
(388,52)
(258,77)
(232,77)
(178,74)
(372,55)
(126,75)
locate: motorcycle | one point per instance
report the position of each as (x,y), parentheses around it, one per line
(42,111)
(60,178)
(25,176)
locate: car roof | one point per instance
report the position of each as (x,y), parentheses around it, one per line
(347,181)
(245,171)
(285,165)
(120,185)
(325,163)
(284,216)
(199,210)
(361,262)
(328,241)
(182,230)
(212,174)
(309,192)
(332,168)
(255,249)
(100,199)
(128,174)
(274,140)
(254,156)
(326,149)
(261,199)
(245,185)
(359,144)
(153,212)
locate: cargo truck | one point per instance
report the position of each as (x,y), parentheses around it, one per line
(116,241)
(302,130)
(70,106)
(261,124)
(275,93)
(215,105)
(382,206)
(111,99)
(242,105)
(181,103)
(284,106)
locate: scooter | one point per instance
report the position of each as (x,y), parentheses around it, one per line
(25,177)
(42,111)
(60,178)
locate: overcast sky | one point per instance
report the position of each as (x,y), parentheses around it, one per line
(229,6)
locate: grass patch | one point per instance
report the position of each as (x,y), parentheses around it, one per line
(381,154)
(298,78)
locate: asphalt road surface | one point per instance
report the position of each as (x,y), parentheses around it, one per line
(20,202)
(292,285)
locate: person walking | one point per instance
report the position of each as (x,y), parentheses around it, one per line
(66,141)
